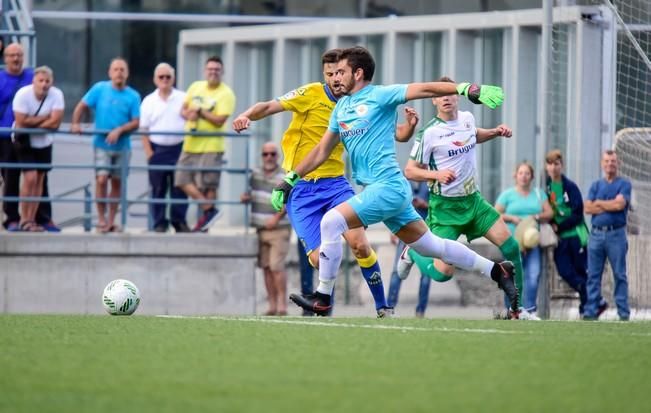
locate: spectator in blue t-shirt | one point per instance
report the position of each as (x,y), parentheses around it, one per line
(117,109)
(608,202)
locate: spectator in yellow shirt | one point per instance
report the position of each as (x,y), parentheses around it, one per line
(207,106)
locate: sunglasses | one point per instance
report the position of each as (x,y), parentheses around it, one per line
(165,76)
(269,153)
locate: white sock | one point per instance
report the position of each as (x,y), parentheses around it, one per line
(333,225)
(326,286)
(452,252)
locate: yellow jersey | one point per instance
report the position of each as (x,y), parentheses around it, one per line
(311,105)
(220,101)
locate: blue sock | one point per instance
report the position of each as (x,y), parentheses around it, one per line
(371,272)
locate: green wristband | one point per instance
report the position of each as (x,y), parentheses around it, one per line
(462,88)
(292,178)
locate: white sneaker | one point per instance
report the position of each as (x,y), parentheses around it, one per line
(526,315)
(404,264)
(385,312)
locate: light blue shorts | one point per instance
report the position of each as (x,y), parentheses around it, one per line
(388,202)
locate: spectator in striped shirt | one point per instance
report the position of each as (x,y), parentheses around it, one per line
(273,228)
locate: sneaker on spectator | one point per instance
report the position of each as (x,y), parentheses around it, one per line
(404,264)
(51,227)
(160,228)
(602,308)
(181,227)
(207,219)
(385,312)
(13,227)
(528,315)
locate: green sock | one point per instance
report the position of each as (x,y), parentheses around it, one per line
(426,267)
(511,252)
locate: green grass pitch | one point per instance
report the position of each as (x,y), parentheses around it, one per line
(152,364)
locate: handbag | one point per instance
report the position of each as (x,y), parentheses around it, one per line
(21,140)
(548,237)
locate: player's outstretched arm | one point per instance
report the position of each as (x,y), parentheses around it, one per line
(430,90)
(484,135)
(491,96)
(256,112)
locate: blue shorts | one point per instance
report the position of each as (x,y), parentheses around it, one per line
(308,203)
(388,202)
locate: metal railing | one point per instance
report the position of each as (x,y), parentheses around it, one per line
(124,201)
(87,217)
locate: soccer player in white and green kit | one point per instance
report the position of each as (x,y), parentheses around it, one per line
(364,121)
(444,155)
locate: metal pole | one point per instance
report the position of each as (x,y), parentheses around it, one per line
(124,171)
(247,176)
(88,217)
(542,144)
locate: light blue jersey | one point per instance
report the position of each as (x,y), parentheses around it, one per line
(521,206)
(366,124)
(113,108)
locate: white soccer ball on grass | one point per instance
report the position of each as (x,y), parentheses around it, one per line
(121,297)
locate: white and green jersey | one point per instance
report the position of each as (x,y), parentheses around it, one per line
(449,145)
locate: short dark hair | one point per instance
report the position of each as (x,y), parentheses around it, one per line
(215,59)
(330,56)
(359,57)
(610,152)
(119,59)
(553,156)
(445,79)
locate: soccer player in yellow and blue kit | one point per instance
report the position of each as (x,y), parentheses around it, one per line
(324,187)
(365,122)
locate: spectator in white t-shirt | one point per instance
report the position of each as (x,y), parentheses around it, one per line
(39,105)
(161,111)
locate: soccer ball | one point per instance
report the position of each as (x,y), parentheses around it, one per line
(121,297)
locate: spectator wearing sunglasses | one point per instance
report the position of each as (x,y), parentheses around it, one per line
(161,111)
(272,227)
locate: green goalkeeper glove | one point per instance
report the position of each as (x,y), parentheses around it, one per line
(280,193)
(491,96)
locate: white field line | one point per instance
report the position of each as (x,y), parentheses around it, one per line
(346,325)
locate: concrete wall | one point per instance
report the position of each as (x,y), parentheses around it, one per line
(216,274)
(176,274)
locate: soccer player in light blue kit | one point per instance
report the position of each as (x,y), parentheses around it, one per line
(364,120)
